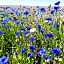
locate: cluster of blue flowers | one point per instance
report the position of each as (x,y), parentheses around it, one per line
(4,60)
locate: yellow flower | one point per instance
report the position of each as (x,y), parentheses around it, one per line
(47,60)
(60,59)
(56,58)
(0,50)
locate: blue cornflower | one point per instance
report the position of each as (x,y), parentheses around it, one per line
(7,26)
(4,60)
(21,13)
(28,8)
(57,3)
(48,18)
(25,33)
(38,26)
(45,36)
(20,44)
(22,29)
(49,35)
(17,22)
(42,51)
(26,13)
(27,27)
(63,22)
(42,31)
(38,10)
(2,32)
(3,22)
(9,13)
(56,7)
(35,11)
(42,9)
(32,38)
(40,48)
(55,56)
(52,11)
(46,56)
(6,15)
(55,50)
(17,33)
(2,7)
(24,6)
(30,54)
(54,24)
(7,7)
(16,12)
(24,49)
(0,11)
(29,15)
(32,47)
(37,6)
(9,18)
(22,22)
(15,19)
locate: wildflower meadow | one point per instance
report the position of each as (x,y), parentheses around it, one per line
(31,35)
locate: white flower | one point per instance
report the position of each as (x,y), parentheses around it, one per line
(45,21)
(32,30)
